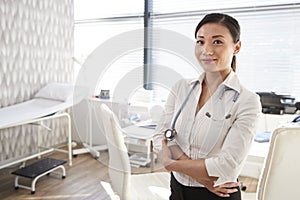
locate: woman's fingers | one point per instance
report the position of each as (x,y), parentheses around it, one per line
(231,185)
(164,143)
(226,189)
(222,194)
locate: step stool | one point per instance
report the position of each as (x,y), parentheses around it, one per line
(37,170)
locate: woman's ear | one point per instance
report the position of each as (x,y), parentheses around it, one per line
(237,47)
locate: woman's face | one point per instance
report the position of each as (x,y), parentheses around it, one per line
(215,47)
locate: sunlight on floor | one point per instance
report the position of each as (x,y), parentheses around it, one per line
(59,196)
(107,187)
(160,191)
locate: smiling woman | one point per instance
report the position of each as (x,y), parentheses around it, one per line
(217,125)
(212,50)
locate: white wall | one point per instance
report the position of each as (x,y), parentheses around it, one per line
(36,47)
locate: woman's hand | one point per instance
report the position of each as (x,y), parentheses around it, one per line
(223,190)
(177,153)
(165,155)
(182,162)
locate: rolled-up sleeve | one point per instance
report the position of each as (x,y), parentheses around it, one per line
(229,162)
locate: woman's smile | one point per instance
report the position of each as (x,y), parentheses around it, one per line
(208,60)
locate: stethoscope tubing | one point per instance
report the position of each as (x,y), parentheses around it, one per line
(171,132)
(172,126)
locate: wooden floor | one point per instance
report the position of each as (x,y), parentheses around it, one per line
(82,181)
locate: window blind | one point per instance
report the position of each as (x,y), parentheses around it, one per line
(95,9)
(188,6)
(267,61)
(99,23)
(269,57)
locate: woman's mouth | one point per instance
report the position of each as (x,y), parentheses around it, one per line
(208,60)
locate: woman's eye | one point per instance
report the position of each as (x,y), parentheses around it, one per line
(199,42)
(217,42)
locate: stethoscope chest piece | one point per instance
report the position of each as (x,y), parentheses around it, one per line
(170,134)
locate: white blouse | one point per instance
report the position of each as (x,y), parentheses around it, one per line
(221,132)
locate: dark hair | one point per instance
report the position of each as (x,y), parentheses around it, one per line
(227,21)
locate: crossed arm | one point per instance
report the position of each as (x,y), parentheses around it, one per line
(175,160)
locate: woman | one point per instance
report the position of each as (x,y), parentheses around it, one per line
(217,124)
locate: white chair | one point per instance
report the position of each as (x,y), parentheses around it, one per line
(129,186)
(279,179)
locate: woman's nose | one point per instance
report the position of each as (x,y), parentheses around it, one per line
(207,50)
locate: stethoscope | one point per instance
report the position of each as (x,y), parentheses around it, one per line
(171,132)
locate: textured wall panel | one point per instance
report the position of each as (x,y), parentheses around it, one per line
(36,48)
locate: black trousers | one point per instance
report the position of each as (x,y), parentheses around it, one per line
(181,192)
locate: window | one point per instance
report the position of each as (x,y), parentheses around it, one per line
(98,25)
(269,58)
(95,9)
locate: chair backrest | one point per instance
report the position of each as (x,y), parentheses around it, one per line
(119,164)
(279,179)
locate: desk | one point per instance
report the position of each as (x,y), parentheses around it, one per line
(90,131)
(88,126)
(138,139)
